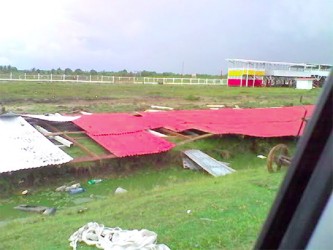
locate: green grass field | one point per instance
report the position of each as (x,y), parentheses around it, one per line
(226,212)
(70,97)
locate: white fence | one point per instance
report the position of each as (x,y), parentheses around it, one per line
(108,79)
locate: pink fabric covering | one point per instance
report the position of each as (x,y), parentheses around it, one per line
(125,134)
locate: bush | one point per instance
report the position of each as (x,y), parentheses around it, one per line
(192,98)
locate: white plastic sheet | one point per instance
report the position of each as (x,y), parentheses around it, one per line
(94,234)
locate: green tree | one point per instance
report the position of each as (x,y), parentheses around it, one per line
(68,71)
(78,71)
(60,71)
(93,72)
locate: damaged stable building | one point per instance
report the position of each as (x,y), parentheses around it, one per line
(31,141)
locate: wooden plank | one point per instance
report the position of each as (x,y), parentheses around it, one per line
(91,159)
(194,139)
(171,132)
(83,148)
(67,132)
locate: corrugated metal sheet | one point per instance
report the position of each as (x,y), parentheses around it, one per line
(196,159)
(22,146)
(259,122)
(137,143)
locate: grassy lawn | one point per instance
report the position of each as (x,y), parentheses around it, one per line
(70,97)
(226,212)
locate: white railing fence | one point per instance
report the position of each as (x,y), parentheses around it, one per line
(108,79)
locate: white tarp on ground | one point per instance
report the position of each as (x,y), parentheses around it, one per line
(22,146)
(94,234)
(54,117)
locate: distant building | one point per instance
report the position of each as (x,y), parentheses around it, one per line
(252,73)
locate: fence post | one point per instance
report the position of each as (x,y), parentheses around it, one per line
(101,78)
(89,78)
(51,77)
(11,75)
(25,76)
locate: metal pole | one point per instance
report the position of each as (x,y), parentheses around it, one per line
(247,75)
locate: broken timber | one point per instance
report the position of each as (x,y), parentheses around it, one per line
(195,138)
(171,132)
(196,160)
(75,142)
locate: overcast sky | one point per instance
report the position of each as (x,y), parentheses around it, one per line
(163,35)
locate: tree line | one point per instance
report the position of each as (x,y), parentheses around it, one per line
(67,71)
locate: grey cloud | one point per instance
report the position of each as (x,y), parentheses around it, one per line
(161,35)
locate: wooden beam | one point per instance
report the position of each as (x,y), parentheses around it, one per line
(90,159)
(83,148)
(67,132)
(168,131)
(194,139)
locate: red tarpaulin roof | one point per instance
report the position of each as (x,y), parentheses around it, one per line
(124,134)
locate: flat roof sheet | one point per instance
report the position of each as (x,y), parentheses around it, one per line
(209,164)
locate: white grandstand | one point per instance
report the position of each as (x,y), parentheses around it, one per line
(250,73)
